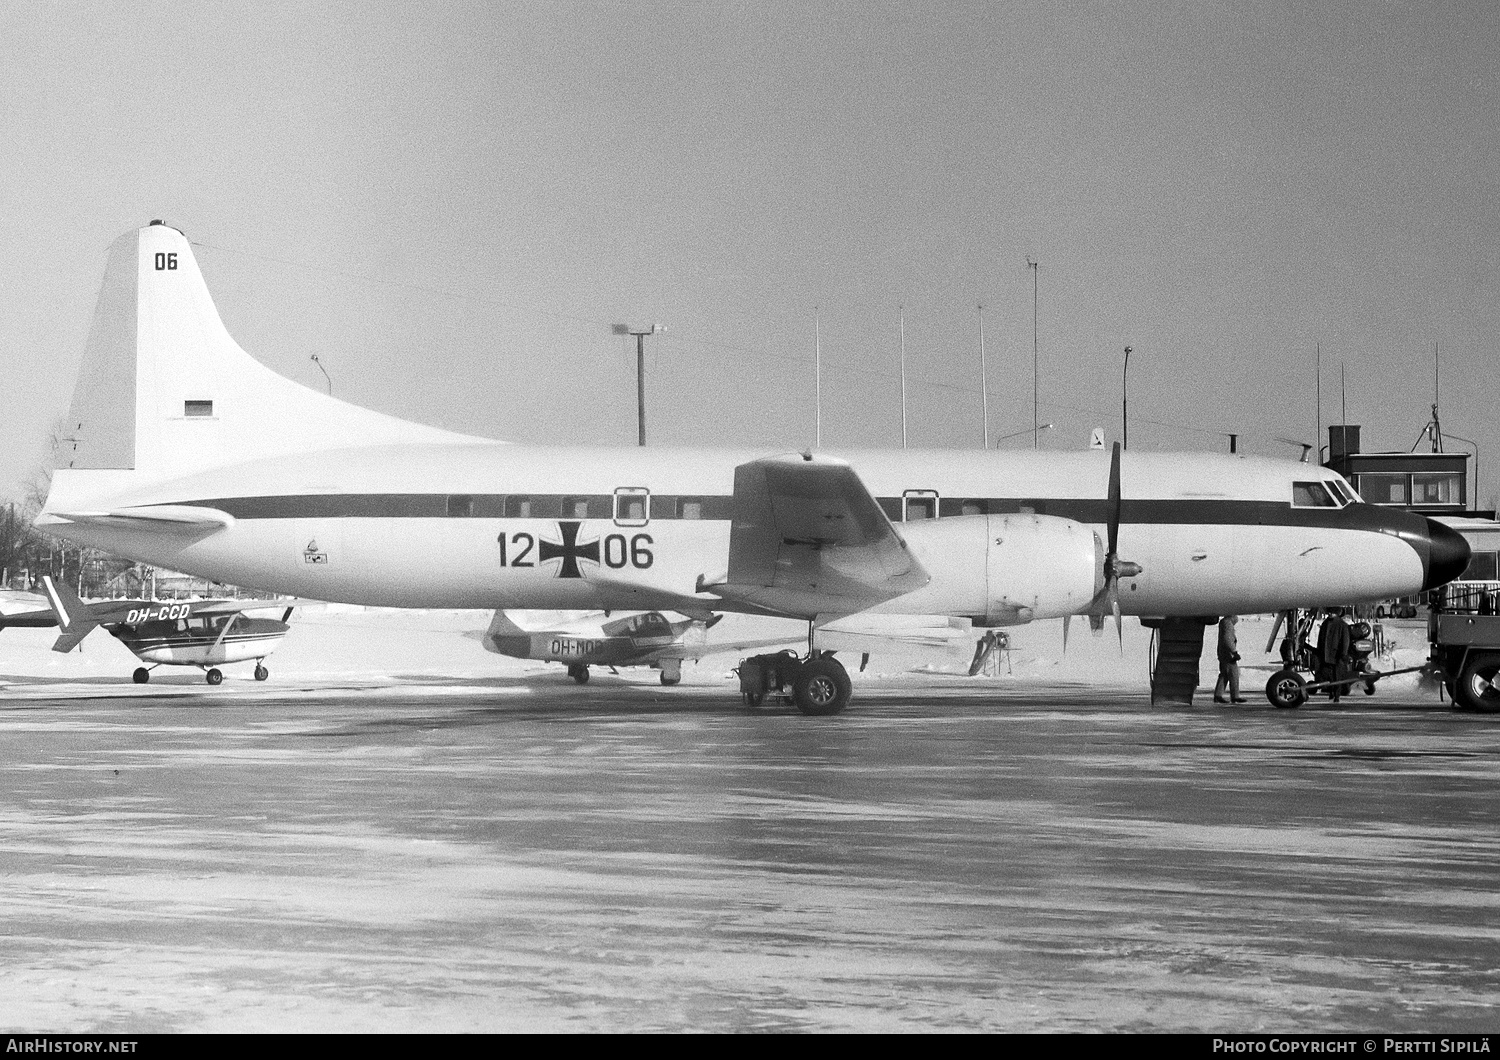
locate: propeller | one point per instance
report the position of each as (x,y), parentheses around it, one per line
(1116,568)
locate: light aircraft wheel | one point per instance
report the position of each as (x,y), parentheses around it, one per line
(670,680)
(821,687)
(754,699)
(1369,688)
(214,677)
(141,675)
(1285,690)
(1478,687)
(579,674)
(261,673)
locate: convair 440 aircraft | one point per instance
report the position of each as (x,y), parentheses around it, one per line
(185,452)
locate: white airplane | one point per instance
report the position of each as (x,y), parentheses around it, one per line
(639,638)
(184,452)
(202,633)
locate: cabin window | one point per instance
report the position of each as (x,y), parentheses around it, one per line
(1436,489)
(1312,495)
(676,508)
(632,506)
(460,506)
(920,504)
(972,507)
(518,507)
(197,409)
(586,507)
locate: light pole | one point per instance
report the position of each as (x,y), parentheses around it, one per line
(1032,264)
(984,386)
(640,332)
(1125,403)
(817,377)
(902,310)
(1473,497)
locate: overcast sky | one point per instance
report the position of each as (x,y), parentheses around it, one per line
(450,203)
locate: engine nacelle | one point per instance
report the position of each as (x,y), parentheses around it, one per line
(1003,569)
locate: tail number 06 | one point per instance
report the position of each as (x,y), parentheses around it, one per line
(618,553)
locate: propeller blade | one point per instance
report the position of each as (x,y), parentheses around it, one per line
(1114,508)
(1114,605)
(1066,619)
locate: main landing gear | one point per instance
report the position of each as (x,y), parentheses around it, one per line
(818,684)
(579,673)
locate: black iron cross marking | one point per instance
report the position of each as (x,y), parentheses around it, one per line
(570,551)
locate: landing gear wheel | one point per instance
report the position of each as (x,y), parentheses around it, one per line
(141,675)
(261,673)
(670,679)
(753,699)
(579,673)
(1285,690)
(1478,687)
(214,677)
(1369,688)
(821,687)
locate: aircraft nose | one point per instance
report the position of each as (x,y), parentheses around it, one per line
(1447,554)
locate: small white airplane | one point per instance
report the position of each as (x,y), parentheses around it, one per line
(184,452)
(640,638)
(202,633)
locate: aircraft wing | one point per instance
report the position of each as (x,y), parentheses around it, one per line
(878,634)
(237,607)
(702,650)
(809,539)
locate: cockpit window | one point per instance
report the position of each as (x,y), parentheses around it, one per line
(1312,495)
(1344,490)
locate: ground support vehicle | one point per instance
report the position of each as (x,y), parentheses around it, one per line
(1463,636)
(1288,688)
(818,684)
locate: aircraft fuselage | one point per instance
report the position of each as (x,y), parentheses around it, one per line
(498,526)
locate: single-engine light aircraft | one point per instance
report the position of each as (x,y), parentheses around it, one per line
(202,633)
(185,452)
(640,638)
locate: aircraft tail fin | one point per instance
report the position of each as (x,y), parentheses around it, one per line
(164,391)
(73,616)
(505,637)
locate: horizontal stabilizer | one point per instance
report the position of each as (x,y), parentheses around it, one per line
(185,519)
(27,610)
(68,641)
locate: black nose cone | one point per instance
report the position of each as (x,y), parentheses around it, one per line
(1448,556)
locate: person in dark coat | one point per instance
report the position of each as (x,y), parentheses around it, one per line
(1334,644)
(1229,662)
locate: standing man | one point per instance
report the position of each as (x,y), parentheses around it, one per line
(1229,660)
(1334,642)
